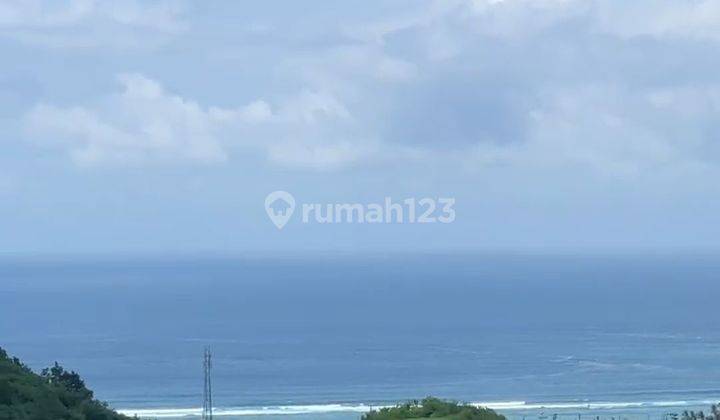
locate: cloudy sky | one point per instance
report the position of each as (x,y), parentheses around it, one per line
(159,127)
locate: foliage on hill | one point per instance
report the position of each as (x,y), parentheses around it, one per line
(54,394)
(433,408)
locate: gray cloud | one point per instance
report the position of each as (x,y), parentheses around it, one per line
(552,83)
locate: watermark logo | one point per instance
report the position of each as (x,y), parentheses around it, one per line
(280,206)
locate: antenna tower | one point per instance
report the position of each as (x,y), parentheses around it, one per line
(207,389)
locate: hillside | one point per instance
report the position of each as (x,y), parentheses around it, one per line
(54,394)
(433,408)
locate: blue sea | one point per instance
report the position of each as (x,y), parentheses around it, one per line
(300,338)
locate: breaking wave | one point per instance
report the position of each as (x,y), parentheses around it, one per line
(362,408)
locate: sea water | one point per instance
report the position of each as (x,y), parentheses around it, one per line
(328,338)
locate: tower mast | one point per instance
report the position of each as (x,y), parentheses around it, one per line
(207,388)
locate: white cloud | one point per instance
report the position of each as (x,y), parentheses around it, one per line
(66,13)
(335,155)
(315,130)
(659,18)
(613,131)
(142,124)
(654,18)
(550,83)
(310,107)
(90,23)
(256,112)
(145,124)
(515,82)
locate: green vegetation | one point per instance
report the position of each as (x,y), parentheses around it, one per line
(714,414)
(54,394)
(433,408)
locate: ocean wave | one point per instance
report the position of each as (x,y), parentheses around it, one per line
(363,408)
(584,405)
(250,411)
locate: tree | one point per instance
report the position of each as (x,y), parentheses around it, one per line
(55,394)
(433,408)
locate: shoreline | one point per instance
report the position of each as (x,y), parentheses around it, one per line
(511,409)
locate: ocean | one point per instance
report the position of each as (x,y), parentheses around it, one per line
(301,338)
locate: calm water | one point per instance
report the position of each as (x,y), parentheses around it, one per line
(621,334)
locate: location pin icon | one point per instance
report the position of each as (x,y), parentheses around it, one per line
(279,206)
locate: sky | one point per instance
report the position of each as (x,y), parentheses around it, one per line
(159,127)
